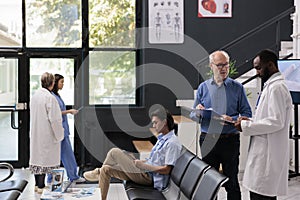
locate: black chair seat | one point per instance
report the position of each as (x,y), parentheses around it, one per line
(144,194)
(9,167)
(209,185)
(180,168)
(193,173)
(10,195)
(18,185)
(130,184)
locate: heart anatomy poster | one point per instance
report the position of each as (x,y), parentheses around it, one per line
(214,8)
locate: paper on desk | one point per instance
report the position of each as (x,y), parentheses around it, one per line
(50,195)
(85,192)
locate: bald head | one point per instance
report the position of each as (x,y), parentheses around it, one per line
(219,64)
(218,53)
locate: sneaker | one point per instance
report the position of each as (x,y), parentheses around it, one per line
(92,175)
(79,180)
(40,190)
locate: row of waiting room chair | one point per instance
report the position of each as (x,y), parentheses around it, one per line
(191,178)
(10,189)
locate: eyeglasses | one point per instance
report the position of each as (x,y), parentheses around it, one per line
(221,65)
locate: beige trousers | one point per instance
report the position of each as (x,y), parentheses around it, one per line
(119,165)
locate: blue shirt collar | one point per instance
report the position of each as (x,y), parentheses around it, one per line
(225,82)
(166,136)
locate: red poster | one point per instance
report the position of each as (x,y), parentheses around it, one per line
(214,8)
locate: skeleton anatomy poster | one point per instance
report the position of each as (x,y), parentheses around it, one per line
(166,21)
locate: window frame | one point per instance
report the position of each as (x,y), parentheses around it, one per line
(83,52)
(139,23)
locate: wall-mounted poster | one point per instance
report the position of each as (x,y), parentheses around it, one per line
(214,8)
(166,21)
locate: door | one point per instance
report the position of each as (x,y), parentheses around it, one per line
(19,79)
(55,64)
(14,113)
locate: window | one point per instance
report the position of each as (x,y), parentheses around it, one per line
(112,77)
(103,30)
(63,66)
(53,23)
(112,23)
(11,23)
(8,81)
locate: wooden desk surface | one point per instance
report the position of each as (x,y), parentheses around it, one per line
(142,145)
(181,119)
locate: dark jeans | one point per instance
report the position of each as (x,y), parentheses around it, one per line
(255,196)
(40,180)
(223,150)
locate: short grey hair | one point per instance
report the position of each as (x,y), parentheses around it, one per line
(212,55)
(47,79)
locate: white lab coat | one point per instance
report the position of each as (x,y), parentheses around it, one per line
(266,169)
(46,131)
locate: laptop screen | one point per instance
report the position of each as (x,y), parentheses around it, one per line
(290,69)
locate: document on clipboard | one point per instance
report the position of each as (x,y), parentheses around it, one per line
(204,113)
(210,114)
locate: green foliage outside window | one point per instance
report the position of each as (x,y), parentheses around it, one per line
(112,77)
(232,70)
(111,28)
(112,23)
(63,16)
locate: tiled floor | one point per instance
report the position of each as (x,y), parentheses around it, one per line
(117,192)
(293,191)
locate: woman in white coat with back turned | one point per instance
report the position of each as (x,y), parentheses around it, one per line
(266,172)
(46,132)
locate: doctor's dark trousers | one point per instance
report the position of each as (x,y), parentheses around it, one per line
(223,149)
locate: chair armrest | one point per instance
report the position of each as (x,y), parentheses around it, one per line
(9,167)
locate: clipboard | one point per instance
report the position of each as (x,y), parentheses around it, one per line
(79,108)
(229,122)
(210,114)
(206,113)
